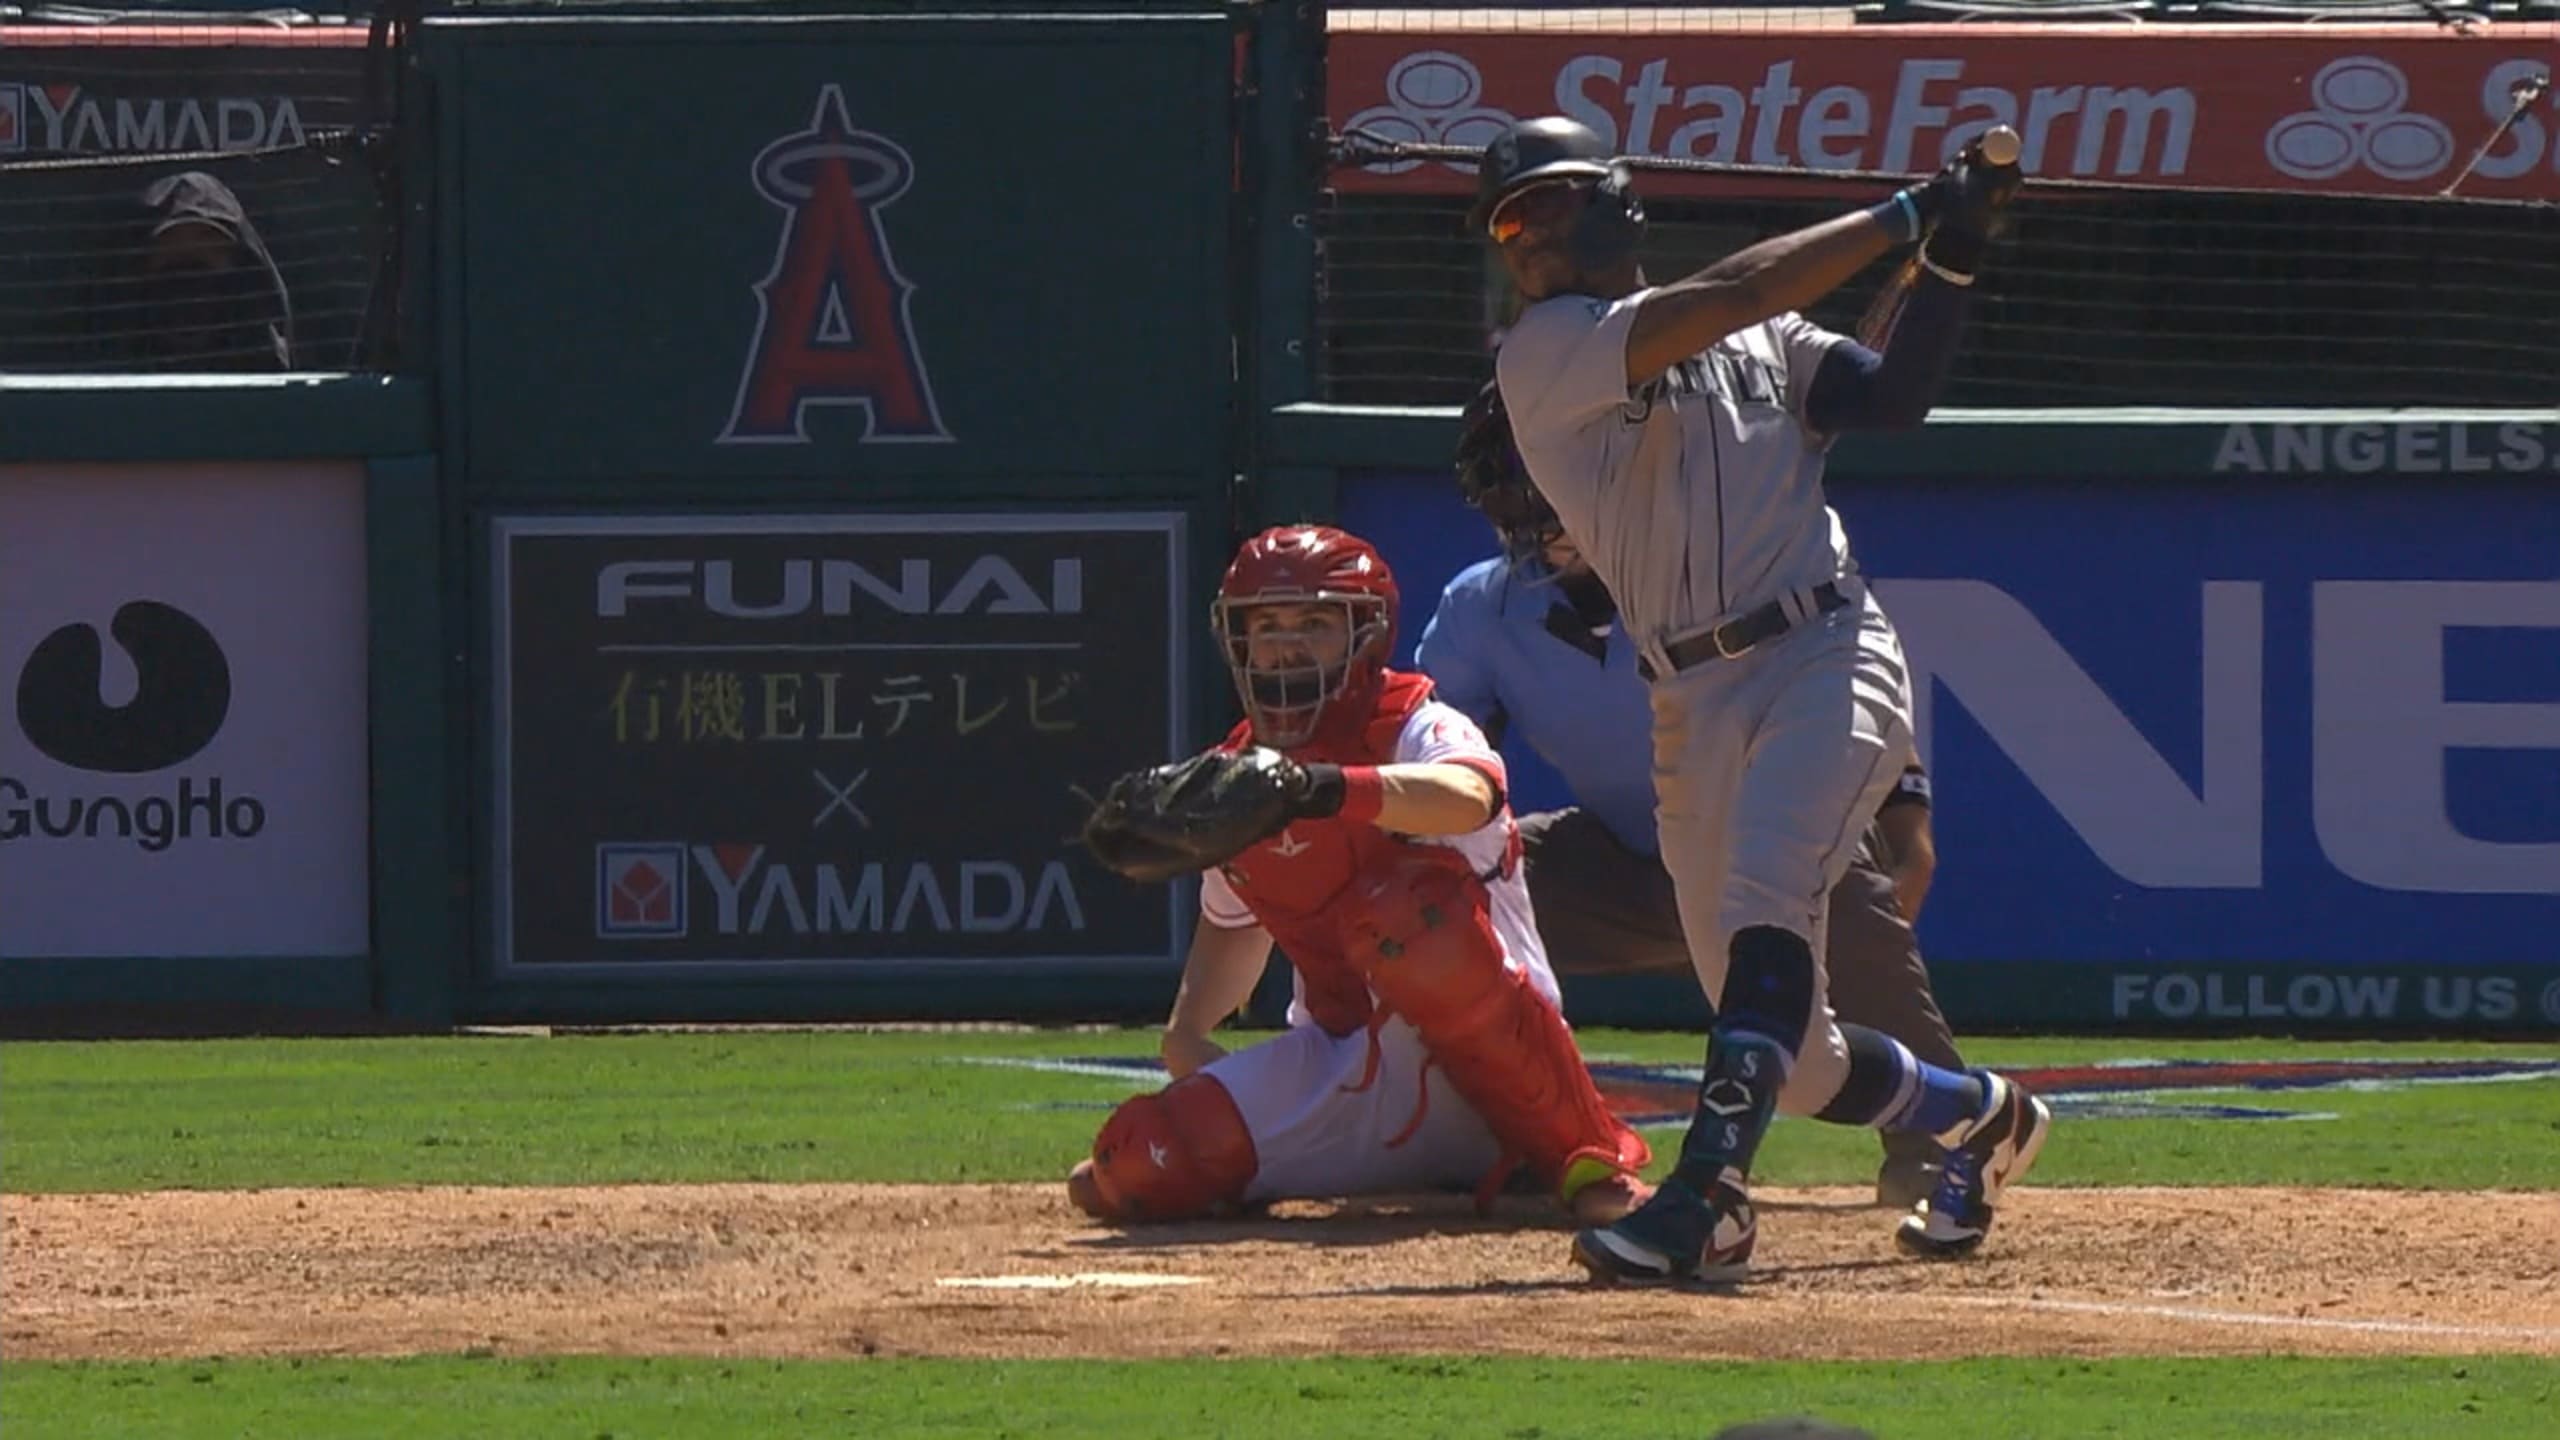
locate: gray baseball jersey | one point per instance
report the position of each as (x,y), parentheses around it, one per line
(1700,494)
(1697,496)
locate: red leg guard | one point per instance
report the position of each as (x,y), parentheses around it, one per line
(1177,1154)
(1424,931)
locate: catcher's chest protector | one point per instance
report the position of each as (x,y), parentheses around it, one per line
(1296,881)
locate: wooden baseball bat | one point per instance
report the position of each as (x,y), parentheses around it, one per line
(1998,145)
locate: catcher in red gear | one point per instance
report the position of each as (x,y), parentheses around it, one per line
(1425,1046)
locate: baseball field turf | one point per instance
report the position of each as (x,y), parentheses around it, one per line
(720,1234)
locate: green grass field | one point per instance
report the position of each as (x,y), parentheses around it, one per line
(790,1106)
(1465,1399)
(795,1106)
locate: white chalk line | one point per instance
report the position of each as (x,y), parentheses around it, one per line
(2118,1308)
(2248,1317)
(1098,1279)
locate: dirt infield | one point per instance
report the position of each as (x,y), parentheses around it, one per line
(840,1270)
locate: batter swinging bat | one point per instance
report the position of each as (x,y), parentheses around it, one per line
(1998,145)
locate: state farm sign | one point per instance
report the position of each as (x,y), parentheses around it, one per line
(2383,113)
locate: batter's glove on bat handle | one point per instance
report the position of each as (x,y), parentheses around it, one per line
(1195,814)
(1961,206)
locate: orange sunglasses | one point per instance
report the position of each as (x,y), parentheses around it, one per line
(1536,204)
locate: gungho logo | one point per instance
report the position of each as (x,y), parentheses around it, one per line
(181,696)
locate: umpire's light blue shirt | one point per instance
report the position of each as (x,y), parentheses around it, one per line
(1502,648)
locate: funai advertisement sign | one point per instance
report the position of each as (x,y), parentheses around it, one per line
(811,741)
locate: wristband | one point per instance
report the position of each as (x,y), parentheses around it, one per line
(1900,217)
(1353,792)
(1364,793)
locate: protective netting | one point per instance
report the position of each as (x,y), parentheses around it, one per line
(2094,298)
(190,193)
(2287,212)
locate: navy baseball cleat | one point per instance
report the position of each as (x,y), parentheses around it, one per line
(1677,1236)
(1995,1151)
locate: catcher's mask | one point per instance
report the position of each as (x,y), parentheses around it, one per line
(1296,704)
(1492,479)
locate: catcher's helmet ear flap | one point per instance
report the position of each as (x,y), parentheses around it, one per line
(1495,481)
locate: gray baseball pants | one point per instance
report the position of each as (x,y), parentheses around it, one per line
(1604,909)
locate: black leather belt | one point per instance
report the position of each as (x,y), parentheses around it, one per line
(1737,637)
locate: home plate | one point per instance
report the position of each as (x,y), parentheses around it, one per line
(1100,1279)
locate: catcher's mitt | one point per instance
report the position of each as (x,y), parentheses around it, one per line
(1192,814)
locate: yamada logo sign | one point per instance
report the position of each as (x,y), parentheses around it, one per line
(181,696)
(640,891)
(644,892)
(68,119)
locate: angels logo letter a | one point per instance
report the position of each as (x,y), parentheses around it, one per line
(833,324)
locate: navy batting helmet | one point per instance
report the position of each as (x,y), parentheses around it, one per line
(1552,148)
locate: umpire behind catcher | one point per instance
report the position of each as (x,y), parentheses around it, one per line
(1528,640)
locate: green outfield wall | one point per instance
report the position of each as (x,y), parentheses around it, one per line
(821,437)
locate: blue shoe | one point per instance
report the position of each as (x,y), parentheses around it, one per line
(1993,1152)
(1678,1236)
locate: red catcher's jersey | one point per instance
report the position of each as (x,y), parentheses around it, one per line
(1292,884)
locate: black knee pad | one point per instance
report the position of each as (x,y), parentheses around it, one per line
(1768,986)
(1881,1074)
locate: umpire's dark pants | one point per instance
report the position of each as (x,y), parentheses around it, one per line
(1605,910)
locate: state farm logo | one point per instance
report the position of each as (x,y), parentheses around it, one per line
(639,890)
(2357,119)
(1431,100)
